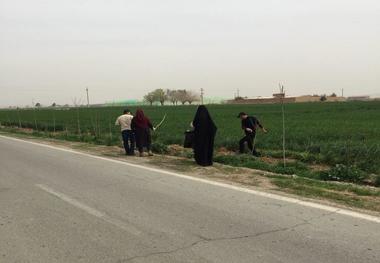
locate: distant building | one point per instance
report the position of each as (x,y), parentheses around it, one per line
(124,103)
(359,98)
(280,97)
(316,98)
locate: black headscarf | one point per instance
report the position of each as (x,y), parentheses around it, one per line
(204,135)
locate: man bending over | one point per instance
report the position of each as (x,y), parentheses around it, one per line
(249,124)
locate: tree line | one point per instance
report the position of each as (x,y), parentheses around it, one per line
(172,96)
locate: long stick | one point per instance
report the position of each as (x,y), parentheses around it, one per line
(162,121)
(253,143)
(283,126)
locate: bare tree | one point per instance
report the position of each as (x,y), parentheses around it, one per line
(172,96)
(76,102)
(182,96)
(160,95)
(192,96)
(150,98)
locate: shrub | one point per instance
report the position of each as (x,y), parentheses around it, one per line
(160,148)
(345,173)
(377,181)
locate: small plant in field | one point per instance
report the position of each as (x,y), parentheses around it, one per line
(377,181)
(108,140)
(160,148)
(345,173)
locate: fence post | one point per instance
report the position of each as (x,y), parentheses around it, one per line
(97,134)
(54,121)
(19,120)
(78,121)
(35,119)
(9,120)
(110,129)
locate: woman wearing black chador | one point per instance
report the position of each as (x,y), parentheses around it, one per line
(204,135)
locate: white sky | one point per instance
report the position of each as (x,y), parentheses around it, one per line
(51,50)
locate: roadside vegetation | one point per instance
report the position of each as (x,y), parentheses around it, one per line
(324,141)
(340,193)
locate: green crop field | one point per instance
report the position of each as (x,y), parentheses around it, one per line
(347,134)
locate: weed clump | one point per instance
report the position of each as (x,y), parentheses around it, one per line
(159,148)
(346,173)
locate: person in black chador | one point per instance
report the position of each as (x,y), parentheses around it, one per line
(204,135)
(249,124)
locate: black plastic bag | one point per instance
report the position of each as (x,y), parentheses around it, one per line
(189,139)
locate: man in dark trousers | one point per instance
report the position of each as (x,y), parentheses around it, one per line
(249,124)
(124,121)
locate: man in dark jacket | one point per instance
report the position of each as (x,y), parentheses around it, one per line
(249,124)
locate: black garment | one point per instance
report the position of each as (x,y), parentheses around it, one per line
(129,141)
(252,123)
(142,136)
(204,135)
(249,138)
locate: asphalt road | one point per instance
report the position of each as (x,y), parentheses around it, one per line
(59,206)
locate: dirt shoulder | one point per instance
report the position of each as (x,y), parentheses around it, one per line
(344,195)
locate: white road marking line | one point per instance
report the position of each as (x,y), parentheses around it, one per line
(224,185)
(90,210)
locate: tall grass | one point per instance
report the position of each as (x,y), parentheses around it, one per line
(330,133)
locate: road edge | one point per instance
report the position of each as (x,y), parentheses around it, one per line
(278,197)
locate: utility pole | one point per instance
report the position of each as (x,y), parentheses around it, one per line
(202,93)
(342,93)
(238,93)
(88,98)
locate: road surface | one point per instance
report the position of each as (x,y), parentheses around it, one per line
(60,206)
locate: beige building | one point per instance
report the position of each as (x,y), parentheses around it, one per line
(359,98)
(313,98)
(279,97)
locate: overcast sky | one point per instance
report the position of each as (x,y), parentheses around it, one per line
(51,50)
